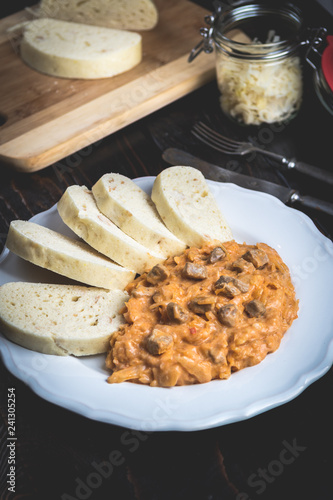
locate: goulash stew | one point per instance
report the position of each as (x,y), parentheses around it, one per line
(203,315)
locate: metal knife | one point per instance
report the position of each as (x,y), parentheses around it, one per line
(175,156)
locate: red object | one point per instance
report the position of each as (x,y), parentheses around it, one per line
(327,62)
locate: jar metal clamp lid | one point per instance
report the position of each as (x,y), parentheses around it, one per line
(226,17)
(317,45)
(318,48)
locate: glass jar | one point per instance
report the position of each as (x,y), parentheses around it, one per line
(258,65)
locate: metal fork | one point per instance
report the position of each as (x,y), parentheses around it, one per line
(229,146)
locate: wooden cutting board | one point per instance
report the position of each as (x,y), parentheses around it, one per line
(46,119)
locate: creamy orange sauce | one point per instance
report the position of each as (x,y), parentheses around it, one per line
(203,315)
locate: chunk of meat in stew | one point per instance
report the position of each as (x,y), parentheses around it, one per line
(229,290)
(217,254)
(175,313)
(156,274)
(243,266)
(194,271)
(257,257)
(224,279)
(201,305)
(255,308)
(227,314)
(158,342)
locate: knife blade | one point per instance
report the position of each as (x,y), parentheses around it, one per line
(175,156)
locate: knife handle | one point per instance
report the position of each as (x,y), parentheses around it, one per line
(315,172)
(309,201)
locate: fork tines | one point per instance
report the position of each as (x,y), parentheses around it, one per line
(215,140)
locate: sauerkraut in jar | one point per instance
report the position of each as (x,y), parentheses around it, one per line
(260,92)
(258,67)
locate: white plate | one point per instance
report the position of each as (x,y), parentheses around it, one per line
(305,354)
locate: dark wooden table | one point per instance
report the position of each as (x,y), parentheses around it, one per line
(285,453)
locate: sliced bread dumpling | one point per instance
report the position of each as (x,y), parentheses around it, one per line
(72,50)
(133,211)
(134,15)
(60,319)
(78,210)
(188,207)
(63,255)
